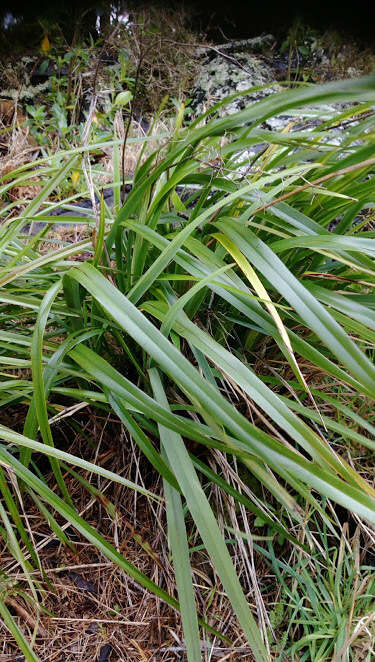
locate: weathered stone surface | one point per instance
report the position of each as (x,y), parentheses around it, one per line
(231,69)
(253,45)
(228,69)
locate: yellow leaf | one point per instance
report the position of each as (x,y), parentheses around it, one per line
(75,177)
(262,293)
(45,45)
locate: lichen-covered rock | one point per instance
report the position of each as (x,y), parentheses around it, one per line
(223,73)
(231,70)
(253,45)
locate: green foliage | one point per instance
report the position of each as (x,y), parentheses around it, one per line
(314,55)
(325,604)
(56,118)
(219,303)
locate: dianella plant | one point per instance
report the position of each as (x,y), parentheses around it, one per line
(235,281)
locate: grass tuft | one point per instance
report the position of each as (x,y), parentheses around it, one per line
(207,345)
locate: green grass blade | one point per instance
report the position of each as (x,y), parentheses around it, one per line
(181,564)
(314,315)
(199,507)
(20,440)
(142,440)
(38,382)
(17,634)
(182,372)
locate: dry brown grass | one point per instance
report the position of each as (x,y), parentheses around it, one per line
(16,147)
(162,39)
(93,603)
(60,235)
(344,57)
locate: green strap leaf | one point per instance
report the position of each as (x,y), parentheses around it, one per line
(207,525)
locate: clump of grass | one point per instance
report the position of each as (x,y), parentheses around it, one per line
(195,314)
(324,607)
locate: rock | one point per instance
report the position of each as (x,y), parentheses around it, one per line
(353,72)
(253,45)
(104,653)
(82,583)
(225,72)
(234,68)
